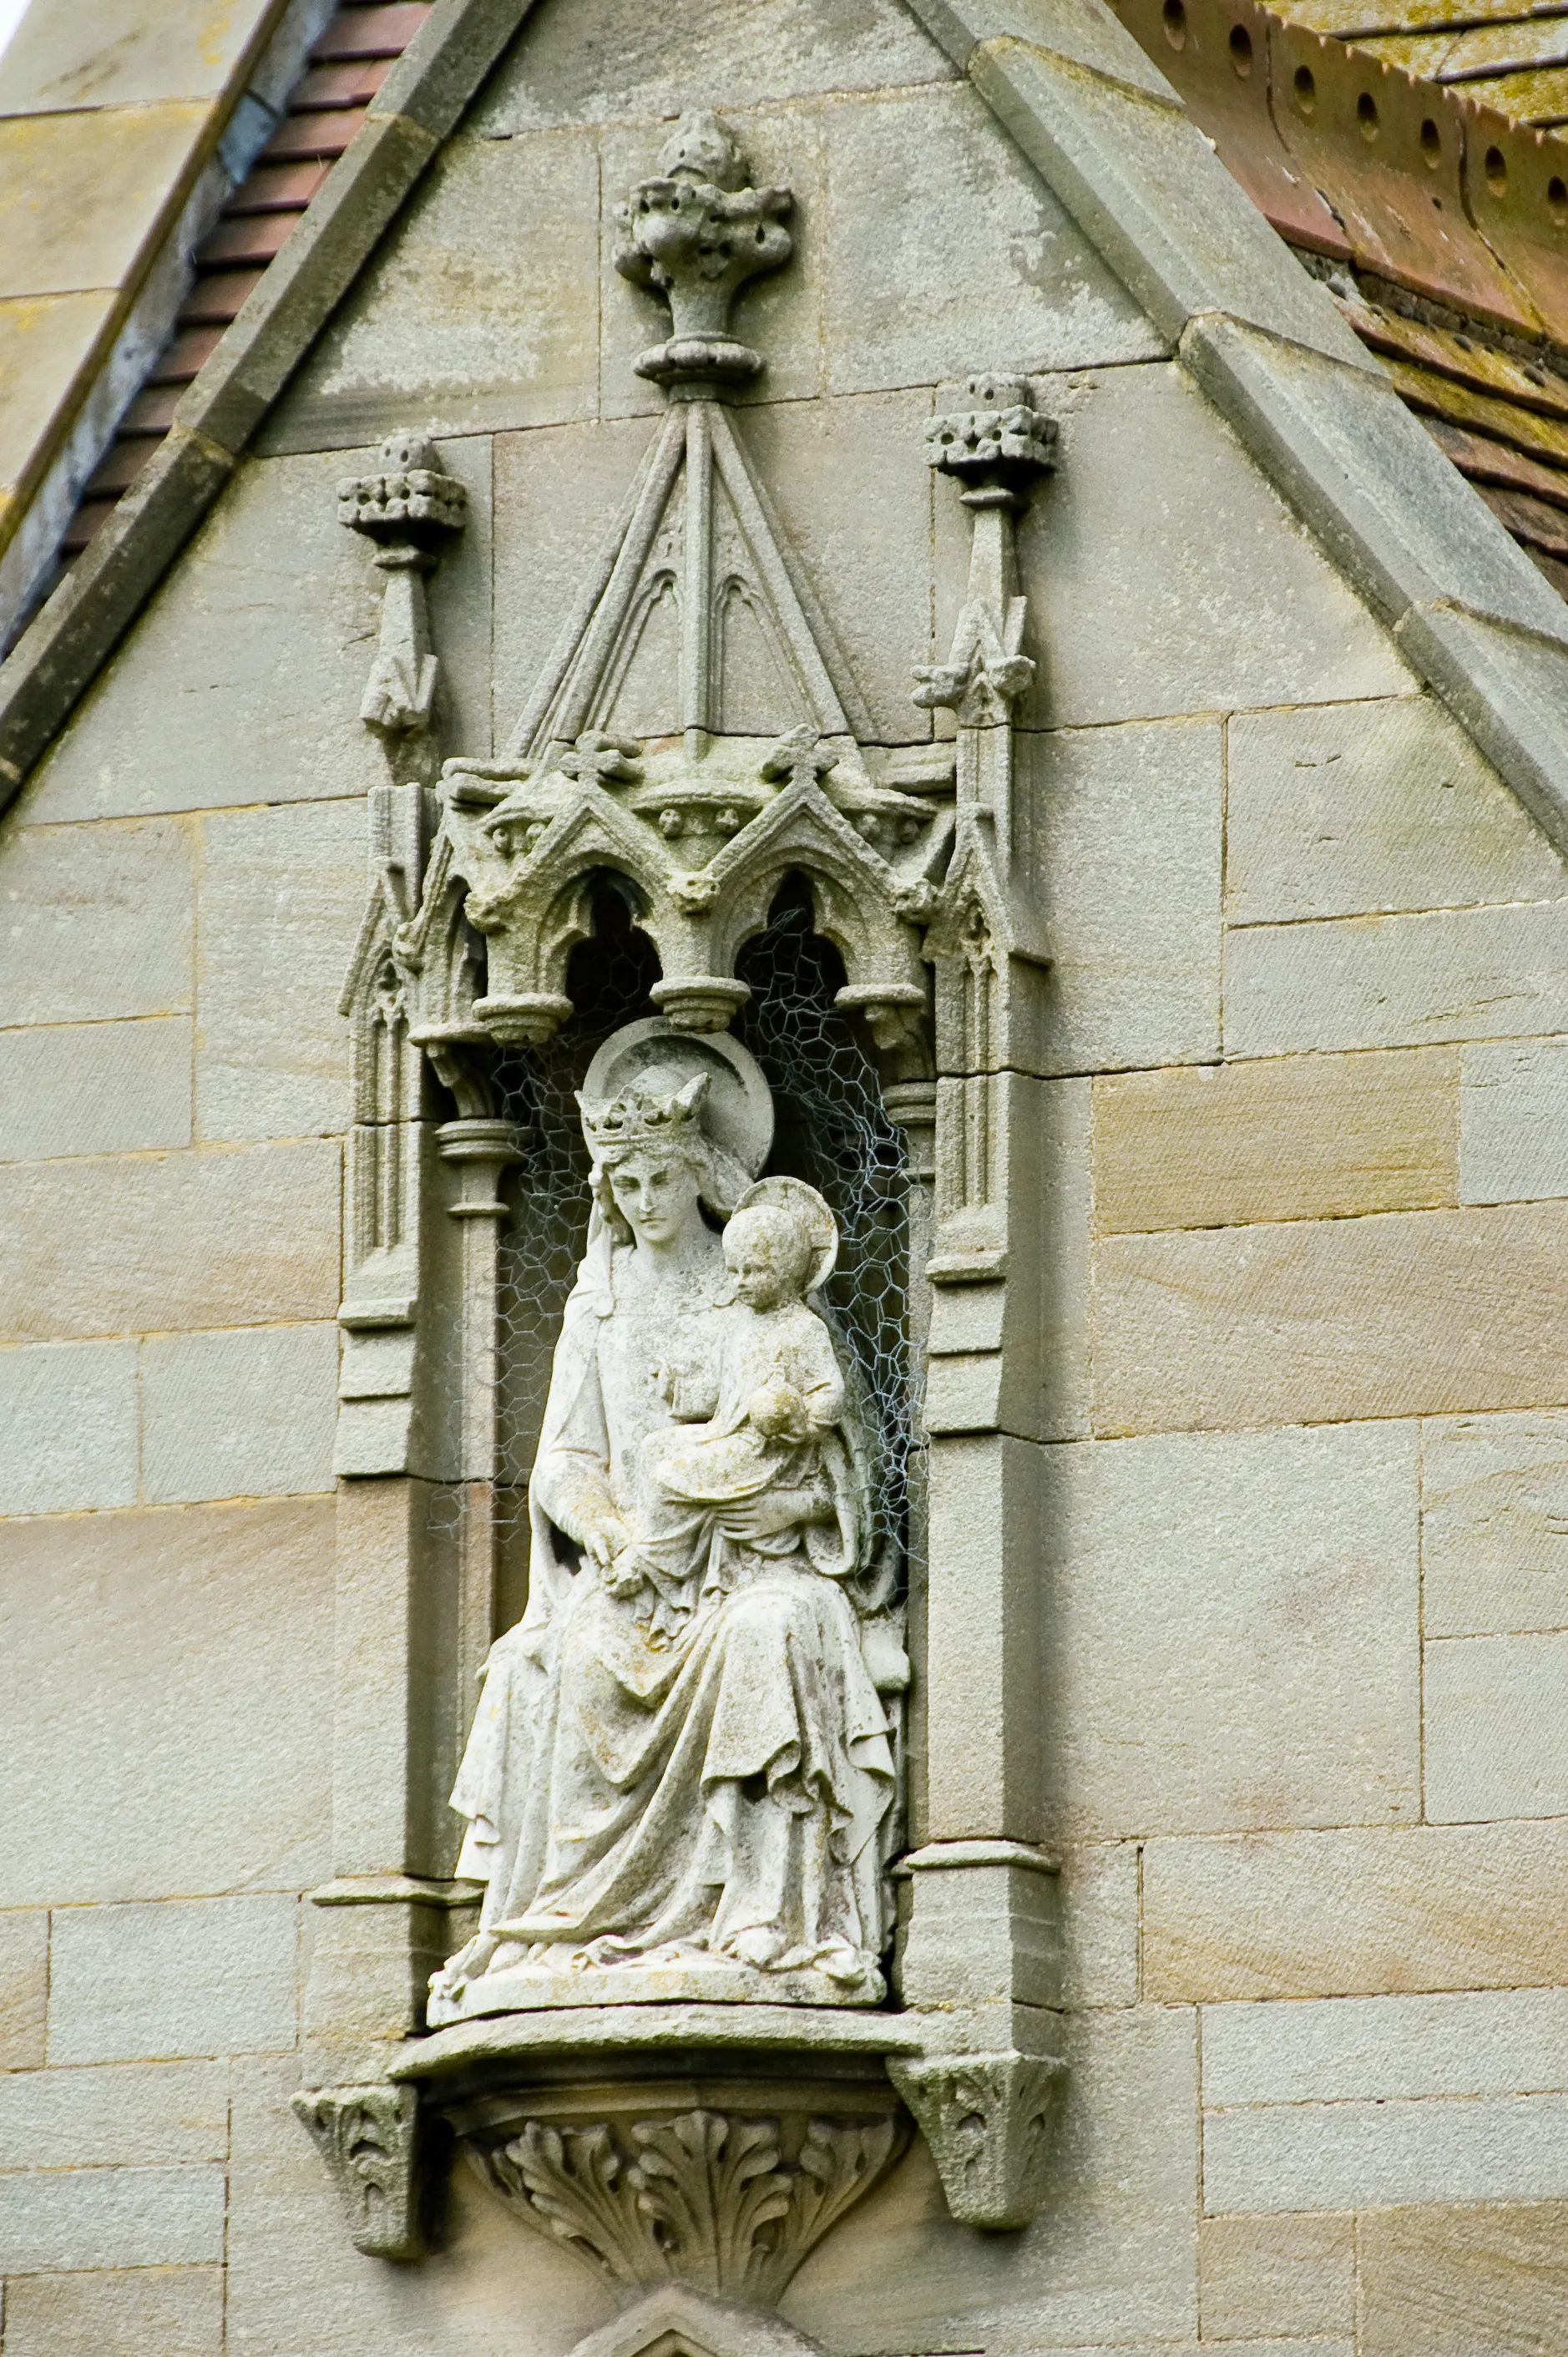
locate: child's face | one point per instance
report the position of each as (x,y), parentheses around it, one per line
(763,1258)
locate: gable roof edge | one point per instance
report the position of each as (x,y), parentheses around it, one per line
(69,641)
(1265,343)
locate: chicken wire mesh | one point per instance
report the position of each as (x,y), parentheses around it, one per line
(831,1130)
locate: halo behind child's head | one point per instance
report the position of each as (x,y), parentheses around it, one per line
(809,1210)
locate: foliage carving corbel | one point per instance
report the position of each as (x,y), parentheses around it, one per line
(368,2139)
(987,2118)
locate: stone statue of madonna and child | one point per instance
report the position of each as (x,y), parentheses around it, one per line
(681,1778)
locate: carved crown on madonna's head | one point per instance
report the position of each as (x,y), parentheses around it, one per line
(643,1117)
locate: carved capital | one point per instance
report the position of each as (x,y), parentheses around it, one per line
(367,2137)
(725,2201)
(410,498)
(695,233)
(987,2118)
(1000,443)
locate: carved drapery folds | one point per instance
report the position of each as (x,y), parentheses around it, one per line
(696,734)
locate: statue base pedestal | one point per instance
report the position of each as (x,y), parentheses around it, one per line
(685,1980)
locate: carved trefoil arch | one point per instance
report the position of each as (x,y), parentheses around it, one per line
(697,735)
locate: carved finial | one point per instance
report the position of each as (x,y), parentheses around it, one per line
(697,234)
(998,445)
(409,507)
(410,498)
(800,757)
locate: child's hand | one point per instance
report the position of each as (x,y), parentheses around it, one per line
(608,1538)
(776,1410)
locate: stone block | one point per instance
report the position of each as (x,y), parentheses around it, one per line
(1513,1118)
(45,341)
(1355,1912)
(125,2115)
(181,1976)
(1365,475)
(944,247)
(280,904)
(481,311)
(1110,2257)
(1128,868)
(1083,31)
(94,1088)
(1451,2282)
(1497,1726)
(24,1986)
(1354,809)
(79,193)
(1233,1631)
(204,1637)
(228,1237)
(1142,181)
(623,65)
(130,2312)
(1099,1894)
(1287,1137)
(116,2313)
(68,1427)
(858,515)
(278,1390)
(1494,1515)
(1228,605)
(1393,982)
(1402,1313)
(296,2284)
(1508,689)
(98,922)
(63,60)
(63,2220)
(1386,2049)
(268,624)
(1381,2155)
(1277,2277)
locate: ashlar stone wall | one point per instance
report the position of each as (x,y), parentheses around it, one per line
(1304,1480)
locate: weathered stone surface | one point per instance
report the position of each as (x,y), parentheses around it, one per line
(1405,1313)
(1449,2282)
(1098,1897)
(482,312)
(265,624)
(621,64)
(1494,1519)
(1356,808)
(187,49)
(131,2312)
(94,1088)
(278,1387)
(204,1638)
(295,2282)
(1273,1678)
(946,275)
(1481,2042)
(1391,981)
(1128,865)
(1112,2255)
(1507,687)
(44,339)
(1228,604)
(221,1238)
(109,2218)
(279,910)
(123,2115)
(68,1427)
(1355,1912)
(1083,31)
(1513,1122)
(98,922)
(1497,1726)
(1351,2156)
(54,242)
(1290,1137)
(183,1976)
(1275,2276)
(24,1986)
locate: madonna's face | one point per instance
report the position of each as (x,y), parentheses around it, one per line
(656,1195)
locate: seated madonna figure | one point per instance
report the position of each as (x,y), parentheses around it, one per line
(680,1770)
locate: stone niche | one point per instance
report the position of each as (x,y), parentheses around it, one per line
(680,2036)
